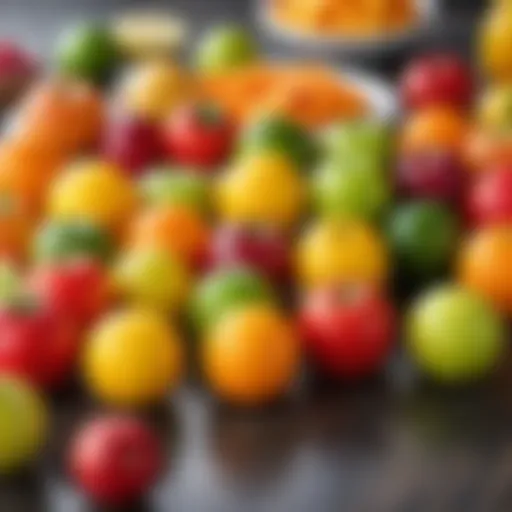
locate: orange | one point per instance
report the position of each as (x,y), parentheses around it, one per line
(15,229)
(486,151)
(26,172)
(485,265)
(434,128)
(63,114)
(174,228)
(251,356)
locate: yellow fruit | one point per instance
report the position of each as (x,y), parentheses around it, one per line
(153,278)
(94,191)
(496,42)
(333,252)
(133,357)
(261,188)
(152,89)
(495,110)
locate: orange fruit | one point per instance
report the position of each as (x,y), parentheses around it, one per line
(484,265)
(251,356)
(15,229)
(486,151)
(63,114)
(433,128)
(26,172)
(174,228)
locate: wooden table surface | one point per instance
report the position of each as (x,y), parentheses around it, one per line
(393,444)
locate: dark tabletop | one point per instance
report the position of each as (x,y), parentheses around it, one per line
(394,443)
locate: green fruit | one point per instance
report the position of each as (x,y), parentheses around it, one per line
(454,335)
(226,290)
(423,236)
(23,424)
(225,47)
(169,187)
(61,241)
(88,52)
(351,191)
(283,136)
(152,278)
(367,139)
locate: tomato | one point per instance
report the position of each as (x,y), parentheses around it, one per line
(199,135)
(434,128)
(438,79)
(115,459)
(490,197)
(338,333)
(484,265)
(261,188)
(153,278)
(225,290)
(63,114)
(24,421)
(177,229)
(152,89)
(37,344)
(336,252)
(77,289)
(58,241)
(236,354)
(93,191)
(133,358)
(454,335)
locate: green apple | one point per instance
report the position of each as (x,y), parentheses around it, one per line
(366,139)
(23,424)
(59,241)
(423,236)
(351,190)
(225,290)
(169,187)
(153,278)
(454,335)
(275,133)
(89,52)
(225,47)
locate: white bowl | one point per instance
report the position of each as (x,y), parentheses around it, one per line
(376,44)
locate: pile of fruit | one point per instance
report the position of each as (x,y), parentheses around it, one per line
(132,217)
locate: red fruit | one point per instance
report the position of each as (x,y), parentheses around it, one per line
(78,290)
(348,332)
(437,175)
(436,79)
(490,198)
(37,345)
(198,135)
(263,249)
(131,143)
(16,69)
(115,459)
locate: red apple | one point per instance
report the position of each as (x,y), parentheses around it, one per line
(437,175)
(199,136)
(131,143)
(16,70)
(37,345)
(76,289)
(490,197)
(115,459)
(263,249)
(348,331)
(436,79)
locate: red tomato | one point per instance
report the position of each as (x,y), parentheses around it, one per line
(37,345)
(198,135)
(490,199)
(348,332)
(115,459)
(78,290)
(436,79)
